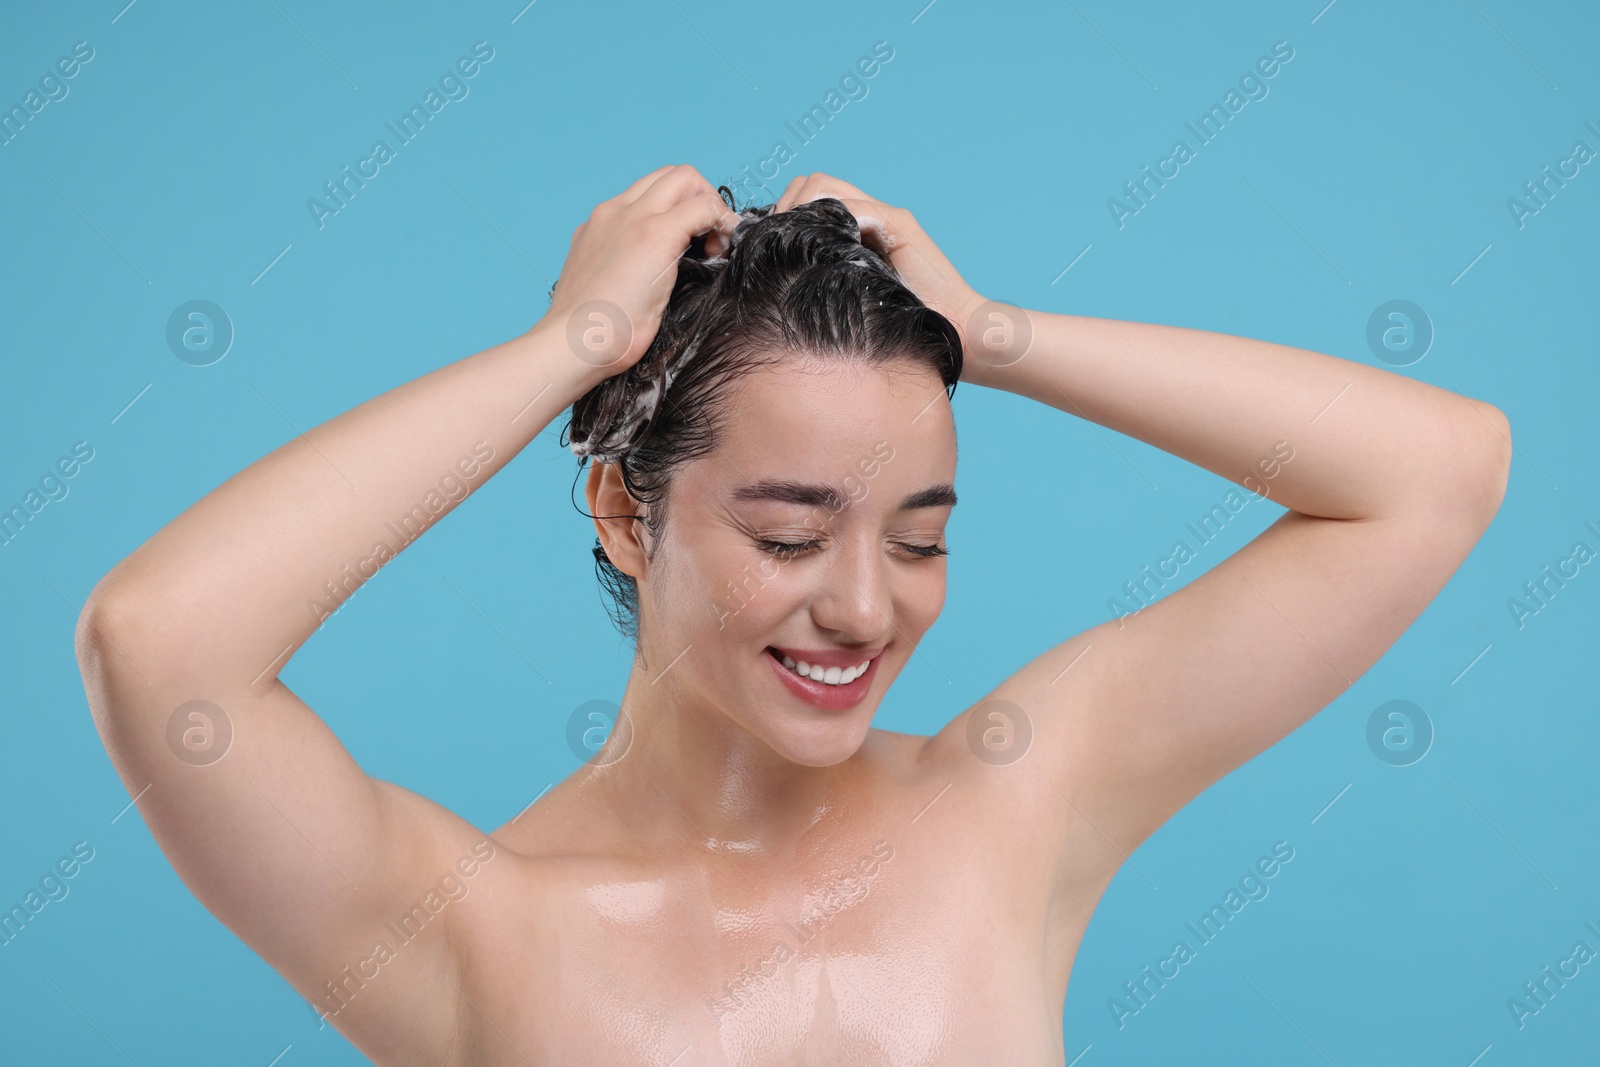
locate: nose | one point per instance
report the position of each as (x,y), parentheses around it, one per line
(855,599)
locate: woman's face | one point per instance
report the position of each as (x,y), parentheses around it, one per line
(854,467)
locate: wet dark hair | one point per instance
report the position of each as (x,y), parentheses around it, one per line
(802,282)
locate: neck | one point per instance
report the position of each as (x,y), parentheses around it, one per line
(688,772)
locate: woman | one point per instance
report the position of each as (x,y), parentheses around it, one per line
(747,872)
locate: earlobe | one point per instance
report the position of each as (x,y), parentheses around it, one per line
(616,522)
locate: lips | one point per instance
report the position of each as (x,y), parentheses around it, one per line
(820,694)
(828,657)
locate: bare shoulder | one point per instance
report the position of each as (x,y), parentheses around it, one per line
(1019,759)
(979,788)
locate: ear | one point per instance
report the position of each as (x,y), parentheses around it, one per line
(620,536)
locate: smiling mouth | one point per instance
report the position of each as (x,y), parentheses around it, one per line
(849,683)
(827,675)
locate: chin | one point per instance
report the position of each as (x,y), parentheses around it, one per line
(823,744)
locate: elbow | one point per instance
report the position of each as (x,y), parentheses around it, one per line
(1494,471)
(108,626)
(90,640)
(122,610)
(1460,478)
(1471,471)
(100,664)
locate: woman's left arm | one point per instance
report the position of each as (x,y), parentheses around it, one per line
(1389,483)
(1367,444)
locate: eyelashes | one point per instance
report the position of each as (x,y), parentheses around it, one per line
(786,549)
(792,549)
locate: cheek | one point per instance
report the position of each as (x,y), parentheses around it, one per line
(752,594)
(718,591)
(920,598)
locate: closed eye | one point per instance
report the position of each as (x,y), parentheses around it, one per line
(787,549)
(791,549)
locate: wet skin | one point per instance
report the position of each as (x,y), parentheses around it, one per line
(757,880)
(751,873)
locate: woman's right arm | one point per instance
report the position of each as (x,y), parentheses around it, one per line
(284,838)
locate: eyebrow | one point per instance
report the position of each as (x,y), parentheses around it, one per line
(934,496)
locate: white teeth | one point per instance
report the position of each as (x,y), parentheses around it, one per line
(827,675)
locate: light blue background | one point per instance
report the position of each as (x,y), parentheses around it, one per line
(1381,162)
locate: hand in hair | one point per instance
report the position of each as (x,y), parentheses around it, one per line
(624,258)
(897,236)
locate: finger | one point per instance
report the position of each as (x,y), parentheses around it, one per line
(703,213)
(787,199)
(872,218)
(720,239)
(898,234)
(819,185)
(678,184)
(631,193)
